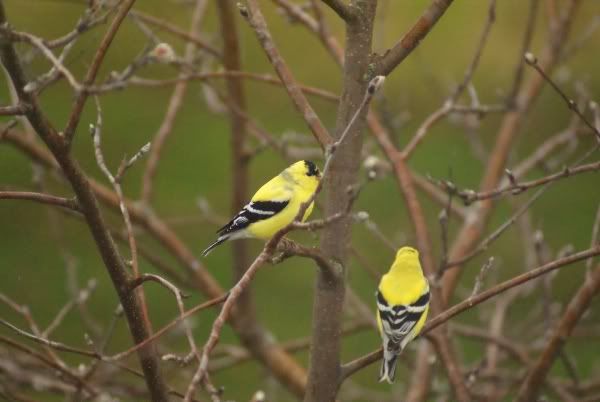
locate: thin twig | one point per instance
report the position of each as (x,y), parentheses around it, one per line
(595,239)
(343,10)
(68,203)
(219,322)
(80,298)
(179,298)
(66,373)
(394,56)
(163,330)
(481,276)
(16,110)
(469,196)
(205,76)
(485,243)
(527,38)
(39,44)
(47,342)
(173,29)
(449,105)
(571,104)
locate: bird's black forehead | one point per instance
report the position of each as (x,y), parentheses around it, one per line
(313,170)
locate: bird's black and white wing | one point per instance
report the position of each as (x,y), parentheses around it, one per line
(397,321)
(397,324)
(253,212)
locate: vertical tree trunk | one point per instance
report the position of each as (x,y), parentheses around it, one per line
(324,372)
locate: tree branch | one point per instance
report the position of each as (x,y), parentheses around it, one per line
(343,10)
(393,57)
(257,22)
(68,203)
(516,187)
(12,110)
(191,37)
(571,104)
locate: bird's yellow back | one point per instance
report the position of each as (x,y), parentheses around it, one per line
(293,182)
(405,274)
(276,189)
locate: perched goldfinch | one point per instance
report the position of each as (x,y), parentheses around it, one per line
(402,305)
(274,205)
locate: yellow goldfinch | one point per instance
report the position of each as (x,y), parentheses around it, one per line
(274,205)
(402,305)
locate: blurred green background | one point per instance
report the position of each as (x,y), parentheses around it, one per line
(196,163)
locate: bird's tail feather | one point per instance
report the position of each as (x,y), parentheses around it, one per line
(388,366)
(220,240)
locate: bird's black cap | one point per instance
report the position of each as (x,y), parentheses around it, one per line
(313,170)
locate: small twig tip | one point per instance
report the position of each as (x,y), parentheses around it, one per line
(530,58)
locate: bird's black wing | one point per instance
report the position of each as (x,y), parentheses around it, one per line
(253,212)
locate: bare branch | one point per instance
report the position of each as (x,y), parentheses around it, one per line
(39,44)
(218,324)
(481,276)
(172,324)
(68,203)
(66,373)
(469,196)
(79,299)
(257,22)
(12,110)
(496,233)
(394,56)
(205,76)
(571,104)
(527,38)
(343,10)
(43,341)
(425,126)
(173,29)
(595,239)
(179,298)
